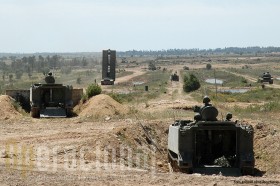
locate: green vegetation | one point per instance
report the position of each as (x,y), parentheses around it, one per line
(78,81)
(93,90)
(156,82)
(259,101)
(122,73)
(229,80)
(20,71)
(152,66)
(191,83)
(119,97)
(66,70)
(256,108)
(208,66)
(256,72)
(253,96)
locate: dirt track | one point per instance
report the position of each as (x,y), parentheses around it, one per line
(71,150)
(136,72)
(69,135)
(251,79)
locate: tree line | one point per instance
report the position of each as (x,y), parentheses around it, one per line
(40,64)
(197,51)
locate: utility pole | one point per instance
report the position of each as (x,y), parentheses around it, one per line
(215,81)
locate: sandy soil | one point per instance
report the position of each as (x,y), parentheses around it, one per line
(68,136)
(115,150)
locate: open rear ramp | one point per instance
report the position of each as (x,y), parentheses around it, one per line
(210,170)
(53,112)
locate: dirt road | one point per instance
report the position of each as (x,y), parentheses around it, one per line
(108,150)
(251,79)
(136,72)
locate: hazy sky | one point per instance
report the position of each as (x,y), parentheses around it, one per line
(93,25)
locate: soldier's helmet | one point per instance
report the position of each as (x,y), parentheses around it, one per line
(206,99)
(229,116)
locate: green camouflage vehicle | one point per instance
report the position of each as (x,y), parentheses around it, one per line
(174,77)
(210,144)
(266,78)
(50,99)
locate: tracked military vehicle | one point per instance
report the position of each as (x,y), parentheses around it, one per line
(266,78)
(50,99)
(210,144)
(174,77)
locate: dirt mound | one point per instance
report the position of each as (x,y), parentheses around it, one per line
(130,145)
(101,105)
(7,108)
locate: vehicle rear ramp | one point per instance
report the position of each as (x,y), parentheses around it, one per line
(53,112)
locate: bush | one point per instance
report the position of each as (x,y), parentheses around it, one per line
(19,74)
(93,90)
(152,66)
(116,97)
(78,81)
(208,66)
(243,80)
(84,98)
(186,68)
(191,83)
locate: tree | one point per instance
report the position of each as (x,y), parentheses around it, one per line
(191,83)
(208,66)
(11,77)
(54,61)
(152,66)
(45,71)
(19,74)
(84,62)
(66,70)
(40,63)
(31,62)
(78,80)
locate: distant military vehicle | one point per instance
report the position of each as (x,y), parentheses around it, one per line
(50,99)
(266,78)
(209,143)
(174,77)
(107,81)
(108,67)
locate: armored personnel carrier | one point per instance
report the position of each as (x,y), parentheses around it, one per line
(209,143)
(174,77)
(266,78)
(107,81)
(50,99)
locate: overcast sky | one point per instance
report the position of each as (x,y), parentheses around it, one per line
(93,25)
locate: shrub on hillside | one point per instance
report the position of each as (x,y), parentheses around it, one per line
(93,90)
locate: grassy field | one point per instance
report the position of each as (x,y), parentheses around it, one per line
(156,82)
(255,106)
(229,80)
(86,77)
